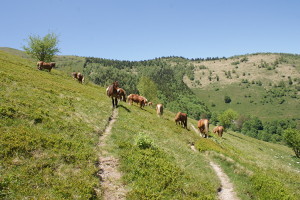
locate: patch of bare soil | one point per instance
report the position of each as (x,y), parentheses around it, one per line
(226,190)
(110,176)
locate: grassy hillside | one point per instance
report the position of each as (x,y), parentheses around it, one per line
(50,128)
(258,169)
(263,85)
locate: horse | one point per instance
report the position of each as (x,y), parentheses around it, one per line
(121,94)
(203,125)
(137,99)
(219,130)
(43,65)
(112,91)
(78,76)
(181,118)
(159,109)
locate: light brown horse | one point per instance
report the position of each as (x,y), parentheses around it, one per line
(203,125)
(112,91)
(159,109)
(43,65)
(181,118)
(137,99)
(219,130)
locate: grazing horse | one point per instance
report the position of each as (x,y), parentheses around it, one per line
(74,75)
(43,65)
(203,125)
(145,100)
(78,76)
(112,91)
(159,109)
(137,99)
(121,94)
(219,130)
(181,118)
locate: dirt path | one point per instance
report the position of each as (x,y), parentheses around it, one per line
(226,191)
(110,177)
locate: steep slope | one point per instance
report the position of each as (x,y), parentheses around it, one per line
(50,127)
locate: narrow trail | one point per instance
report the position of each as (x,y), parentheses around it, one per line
(226,190)
(110,177)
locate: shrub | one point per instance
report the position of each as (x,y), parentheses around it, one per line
(144,142)
(268,188)
(227,99)
(208,145)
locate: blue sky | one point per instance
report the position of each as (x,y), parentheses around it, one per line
(141,29)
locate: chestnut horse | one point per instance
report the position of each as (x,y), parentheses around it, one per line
(121,94)
(203,125)
(43,65)
(137,99)
(219,130)
(181,118)
(112,91)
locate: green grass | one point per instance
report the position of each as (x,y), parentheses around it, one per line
(167,168)
(259,170)
(50,127)
(49,133)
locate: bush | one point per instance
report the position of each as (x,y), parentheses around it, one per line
(144,142)
(208,145)
(268,188)
(227,99)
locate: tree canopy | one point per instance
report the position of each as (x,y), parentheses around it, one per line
(42,49)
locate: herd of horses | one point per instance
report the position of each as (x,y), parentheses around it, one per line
(116,93)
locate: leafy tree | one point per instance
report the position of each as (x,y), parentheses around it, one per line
(292,138)
(226,117)
(42,49)
(147,88)
(252,126)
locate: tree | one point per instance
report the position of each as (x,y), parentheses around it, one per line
(147,88)
(226,117)
(292,138)
(42,49)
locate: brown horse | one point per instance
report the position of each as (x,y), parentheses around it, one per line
(181,118)
(219,130)
(203,125)
(43,65)
(78,76)
(121,94)
(112,91)
(137,99)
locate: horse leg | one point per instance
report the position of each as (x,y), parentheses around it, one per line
(116,102)
(113,103)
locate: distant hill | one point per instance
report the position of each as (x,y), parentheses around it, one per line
(51,126)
